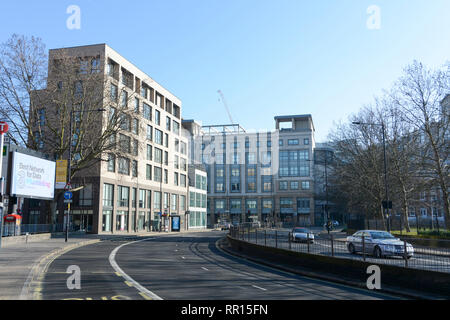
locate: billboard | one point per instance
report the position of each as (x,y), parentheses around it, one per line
(32,177)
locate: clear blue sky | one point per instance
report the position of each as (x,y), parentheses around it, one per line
(268,57)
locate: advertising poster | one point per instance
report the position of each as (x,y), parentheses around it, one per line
(32,177)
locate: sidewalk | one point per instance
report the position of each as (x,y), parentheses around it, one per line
(22,264)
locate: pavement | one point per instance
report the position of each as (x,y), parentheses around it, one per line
(23,265)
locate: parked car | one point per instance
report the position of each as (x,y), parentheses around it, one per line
(224,226)
(378,243)
(302,235)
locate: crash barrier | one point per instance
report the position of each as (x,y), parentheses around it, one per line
(274,248)
(424,258)
(8,241)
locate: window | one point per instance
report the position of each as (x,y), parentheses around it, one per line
(183,164)
(235,204)
(124,166)
(183,148)
(157,117)
(158,137)
(108,195)
(251,187)
(147,112)
(267,204)
(182,180)
(149,152)
(157,200)
(136,105)
(235,172)
(220,204)
(166,140)
(114,92)
(283,185)
(124,100)
(124,143)
(267,186)
(135,126)
(111,163)
(305,185)
(95,65)
(135,147)
(303,205)
(177,145)
(175,178)
(123,195)
(306,141)
(176,162)
(134,168)
(219,187)
(173,202)
(176,128)
(149,133)
(235,187)
(280,142)
(124,122)
(168,123)
(158,155)
(251,172)
(166,158)
(148,172)
(157,174)
(294,185)
(293,142)
(166,176)
(182,203)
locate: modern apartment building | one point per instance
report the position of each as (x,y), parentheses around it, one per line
(140,186)
(257,176)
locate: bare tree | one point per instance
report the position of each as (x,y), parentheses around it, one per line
(42,109)
(418,94)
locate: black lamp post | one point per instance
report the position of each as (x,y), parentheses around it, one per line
(70,159)
(386,202)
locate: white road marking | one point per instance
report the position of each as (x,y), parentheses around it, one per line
(140,288)
(258,288)
(206,269)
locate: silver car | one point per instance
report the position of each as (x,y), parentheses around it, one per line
(302,235)
(379,244)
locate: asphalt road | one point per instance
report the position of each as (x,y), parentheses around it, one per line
(180,267)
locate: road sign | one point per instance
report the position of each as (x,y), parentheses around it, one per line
(67,200)
(68,195)
(3,127)
(68,187)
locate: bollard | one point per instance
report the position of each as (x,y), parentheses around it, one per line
(364,248)
(256,235)
(265,237)
(248,234)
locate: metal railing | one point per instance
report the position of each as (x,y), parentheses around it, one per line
(424,257)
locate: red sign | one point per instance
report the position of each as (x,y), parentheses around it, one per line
(3,127)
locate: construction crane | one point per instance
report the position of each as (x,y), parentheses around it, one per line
(225,104)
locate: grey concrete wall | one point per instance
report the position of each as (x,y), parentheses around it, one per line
(8,241)
(348,269)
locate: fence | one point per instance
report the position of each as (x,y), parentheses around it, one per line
(397,223)
(424,257)
(35,229)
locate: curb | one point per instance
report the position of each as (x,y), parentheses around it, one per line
(33,285)
(314,275)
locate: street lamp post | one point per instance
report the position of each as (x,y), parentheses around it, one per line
(69,179)
(386,203)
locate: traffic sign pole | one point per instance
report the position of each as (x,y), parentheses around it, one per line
(3,130)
